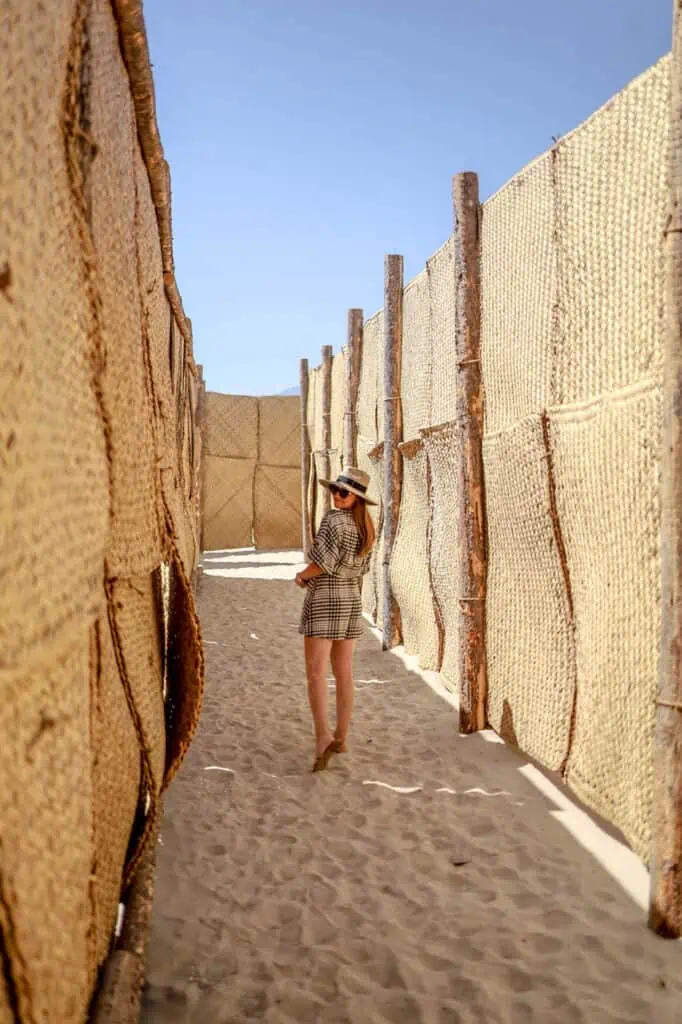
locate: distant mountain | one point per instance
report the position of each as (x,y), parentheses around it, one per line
(291,391)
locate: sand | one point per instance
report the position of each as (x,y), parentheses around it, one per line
(423,877)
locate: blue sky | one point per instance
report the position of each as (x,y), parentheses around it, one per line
(307,138)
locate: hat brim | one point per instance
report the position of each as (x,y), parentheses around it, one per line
(358,494)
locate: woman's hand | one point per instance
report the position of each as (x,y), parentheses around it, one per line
(300,582)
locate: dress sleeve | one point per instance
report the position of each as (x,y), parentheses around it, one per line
(326,550)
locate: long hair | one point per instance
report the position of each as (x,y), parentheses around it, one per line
(365,525)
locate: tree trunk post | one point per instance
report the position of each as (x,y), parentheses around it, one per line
(469,418)
(327,356)
(306,536)
(353,364)
(665,910)
(393,435)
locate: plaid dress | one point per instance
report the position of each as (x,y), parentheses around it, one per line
(333,606)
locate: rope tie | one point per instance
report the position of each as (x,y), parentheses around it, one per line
(676,705)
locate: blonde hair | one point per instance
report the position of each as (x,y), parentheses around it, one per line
(365,525)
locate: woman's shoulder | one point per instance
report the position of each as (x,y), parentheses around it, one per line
(336,517)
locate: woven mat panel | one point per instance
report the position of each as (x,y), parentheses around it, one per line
(155,309)
(135,544)
(442,450)
(443,319)
(231,426)
(6,1012)
(518,291)
(410,565)
(177,360)
(47,829)
(366,413)
(373,586)
(185,669)
(417,367)
(365,445)
(338,408)
(156,318)
(530,641)
(228,503)
(116,781)
(54,494)
(182,523)
(279,431)
(137,631)
(606,458)
(277,511)
(188,449)
(611,215)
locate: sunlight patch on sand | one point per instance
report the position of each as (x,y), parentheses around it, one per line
(614,856)
(394,789)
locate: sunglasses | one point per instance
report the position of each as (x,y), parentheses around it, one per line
(341,491)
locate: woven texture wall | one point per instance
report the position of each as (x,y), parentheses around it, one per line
(252,474)
(443,323)
(98,437)
(410,572)
(572,307)
(445,500)
(417,364)
(277,486)
(607,469)
(530,645)
(518,295)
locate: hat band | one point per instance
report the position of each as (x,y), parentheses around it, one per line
(351,483)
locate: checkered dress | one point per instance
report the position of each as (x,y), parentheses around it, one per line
(333,606)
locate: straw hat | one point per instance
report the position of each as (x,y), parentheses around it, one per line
(354,480)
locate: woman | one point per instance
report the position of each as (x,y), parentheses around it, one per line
(332,612)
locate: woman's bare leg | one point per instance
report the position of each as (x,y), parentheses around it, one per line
(317,652)
(342,666)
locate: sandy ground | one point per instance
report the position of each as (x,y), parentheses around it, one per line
(423,877)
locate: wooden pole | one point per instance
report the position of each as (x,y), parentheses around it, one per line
(327,355)
(306,536)
(353,364)
(393,435)
(469,418)
(665,910)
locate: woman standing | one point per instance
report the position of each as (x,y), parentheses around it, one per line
(331,620)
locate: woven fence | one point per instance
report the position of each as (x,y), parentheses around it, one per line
(572,328)
(252,470)
(100,656)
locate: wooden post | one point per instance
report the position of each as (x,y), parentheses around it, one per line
(353,364)
(327,355)
(665,910)
(393,434)
(306,535)
(469,418)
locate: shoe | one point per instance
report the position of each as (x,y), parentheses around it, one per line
(322,760)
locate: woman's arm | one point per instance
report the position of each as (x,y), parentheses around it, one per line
(311,570)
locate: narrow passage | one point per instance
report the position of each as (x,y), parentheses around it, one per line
(421,878)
